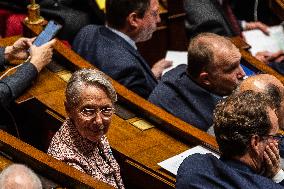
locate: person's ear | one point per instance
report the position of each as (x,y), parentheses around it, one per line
(67,108)
(255,144)
(133,20)
(204,78)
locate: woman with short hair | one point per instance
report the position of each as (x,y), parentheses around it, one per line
(81,141)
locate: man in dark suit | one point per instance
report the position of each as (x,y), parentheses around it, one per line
(191,92)
(112,48)
(246,127)
(13,86)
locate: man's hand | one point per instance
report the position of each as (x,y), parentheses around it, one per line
(159,67)
(268,57)
(41,56)
(19,50)
(257,25)
(271,159)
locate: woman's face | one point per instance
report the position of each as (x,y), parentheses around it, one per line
(92,116)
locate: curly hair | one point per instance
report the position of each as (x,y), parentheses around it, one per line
(239,117)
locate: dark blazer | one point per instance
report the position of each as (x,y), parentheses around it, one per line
(178,94)
(206,16)
(206,171)
(12,87)
(115,57)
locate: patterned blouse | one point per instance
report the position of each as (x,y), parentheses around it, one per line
(95,159)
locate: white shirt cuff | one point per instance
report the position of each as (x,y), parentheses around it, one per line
(279,176)
(243,24)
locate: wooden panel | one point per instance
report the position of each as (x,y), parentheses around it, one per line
(175,7)
(177,34)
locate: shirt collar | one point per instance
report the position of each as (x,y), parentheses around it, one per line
(236,164)
(124,36)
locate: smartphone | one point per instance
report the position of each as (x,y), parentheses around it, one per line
(48,33)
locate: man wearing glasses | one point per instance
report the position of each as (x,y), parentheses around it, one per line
(246,127)
(273,88)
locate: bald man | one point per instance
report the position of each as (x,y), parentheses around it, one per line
(191,92)
(17,176)
(274,89)
(271,86)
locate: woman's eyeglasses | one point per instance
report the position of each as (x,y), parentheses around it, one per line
(105,112)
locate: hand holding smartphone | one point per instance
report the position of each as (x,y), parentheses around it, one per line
(48,33)
(41,51)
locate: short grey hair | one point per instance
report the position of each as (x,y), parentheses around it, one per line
(85,77)
(19,176)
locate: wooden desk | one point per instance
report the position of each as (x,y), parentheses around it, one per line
(138,151)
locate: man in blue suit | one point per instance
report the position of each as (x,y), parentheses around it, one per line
(246,127)
(191,92)
(112,48)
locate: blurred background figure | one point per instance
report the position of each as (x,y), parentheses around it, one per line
(17,176)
